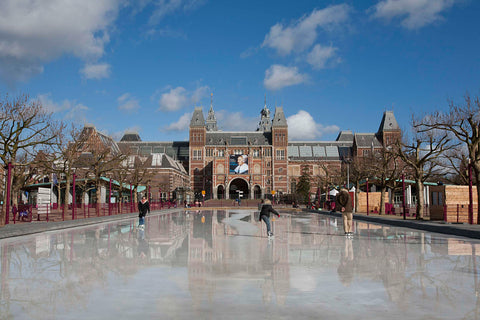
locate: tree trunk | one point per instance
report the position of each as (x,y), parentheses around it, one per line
(420,199)
(98,194)
(357,191)
(382,200)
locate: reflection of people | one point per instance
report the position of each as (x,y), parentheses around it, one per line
(242,166)
(265,215)
(346,267)
(143,209)
(344,204)
(142,245)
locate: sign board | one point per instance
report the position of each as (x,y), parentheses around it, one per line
(273,192)
(43,200)
(203,192)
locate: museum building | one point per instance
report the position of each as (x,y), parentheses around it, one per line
(255,164)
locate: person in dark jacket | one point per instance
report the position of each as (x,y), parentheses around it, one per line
(265,215)
(143,209)
(344,205)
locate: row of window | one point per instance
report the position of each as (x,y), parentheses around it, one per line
(256,153)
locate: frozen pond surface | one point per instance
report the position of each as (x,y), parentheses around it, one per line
(220,265)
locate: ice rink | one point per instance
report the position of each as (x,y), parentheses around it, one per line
(220,265)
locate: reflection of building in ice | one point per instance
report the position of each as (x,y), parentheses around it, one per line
(229,246)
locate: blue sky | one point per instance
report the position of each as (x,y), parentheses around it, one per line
(333,65)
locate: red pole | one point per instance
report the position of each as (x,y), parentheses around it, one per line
(367,199)
(109,198)
(470,195)
(403,198)
(131,199)
(9,177)
(73,197)
(458,212)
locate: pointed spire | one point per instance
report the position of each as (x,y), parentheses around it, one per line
(211,119)
(265,121)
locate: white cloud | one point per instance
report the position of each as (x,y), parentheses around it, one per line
(96,71)
(415,14)
(179,97)
(301,34)
(35,32)
(319,56)
(168,7)
(235,121)
(66,110)
(181,125)
(174,100)
(128,103)
(302,126)
(278,76)
(199,94)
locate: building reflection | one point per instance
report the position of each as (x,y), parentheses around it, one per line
(59,270)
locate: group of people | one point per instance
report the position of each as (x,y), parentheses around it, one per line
(343,204)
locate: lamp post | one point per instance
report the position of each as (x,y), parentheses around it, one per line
(367,199)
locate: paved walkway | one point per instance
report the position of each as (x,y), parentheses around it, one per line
(461,229)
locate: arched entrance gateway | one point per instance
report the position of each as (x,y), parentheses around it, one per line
(257,192)
(238,186)
(220,192)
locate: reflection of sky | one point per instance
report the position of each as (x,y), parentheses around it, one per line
(226,265)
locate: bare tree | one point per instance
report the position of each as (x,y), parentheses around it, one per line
(359,170)
(25,127)
(385,167)
(422,154)
(96,164)
(140,174)
(463,121)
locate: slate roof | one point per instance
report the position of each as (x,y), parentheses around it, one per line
(345,136)
(365,140)
(279,119)
(178,150)
(388,123)
(198,120)
(131,136)
(248,138)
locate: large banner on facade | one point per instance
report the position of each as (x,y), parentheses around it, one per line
(238,164)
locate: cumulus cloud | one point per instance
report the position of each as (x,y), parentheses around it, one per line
(67,110)
(179,97)
(96,71)
(236,121)
(301,34)
(302,126)
(278,76)
(320,56)
(181,125)
(415,14)
(163,8)
(128,103)
(35,32)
